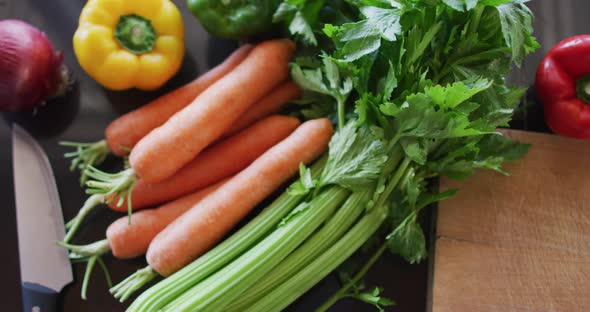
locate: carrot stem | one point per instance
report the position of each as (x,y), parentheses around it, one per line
(117,186)
(83,251)
(85,155)
(106,271)
(87,273)
(128,286)
(90,254)
(73,225)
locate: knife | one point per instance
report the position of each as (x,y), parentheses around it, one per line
(44,267)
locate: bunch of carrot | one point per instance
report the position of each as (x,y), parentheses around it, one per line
(208,153)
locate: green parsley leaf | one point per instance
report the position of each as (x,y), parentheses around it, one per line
(305,183)
(299,26)
(409,242)
(284,11)
(374,298)
(517,26)
(324,80)
(461,5)
(496,149)
(355,157)
(414,150)
(451,96)
(295,212)
(358,39)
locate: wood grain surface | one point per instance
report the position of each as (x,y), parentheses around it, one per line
(519,243)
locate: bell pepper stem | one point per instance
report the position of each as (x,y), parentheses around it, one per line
(135,33)
(583,89)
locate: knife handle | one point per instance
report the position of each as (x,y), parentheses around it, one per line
(38,298)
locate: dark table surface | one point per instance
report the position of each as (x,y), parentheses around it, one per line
(88,108)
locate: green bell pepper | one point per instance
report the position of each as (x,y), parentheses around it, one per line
(234,19)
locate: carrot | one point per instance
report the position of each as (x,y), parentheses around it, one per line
(207,222)
(269,105)
(169,147)
(124,132)
(132,240)
(221,160)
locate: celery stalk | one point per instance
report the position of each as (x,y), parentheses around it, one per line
(226,285)
(310,250)
(173,286)
(283,295)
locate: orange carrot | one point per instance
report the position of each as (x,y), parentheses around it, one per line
(168,148)
(206,223)
(221,160)
(124,132)
(269,105)
(132,240)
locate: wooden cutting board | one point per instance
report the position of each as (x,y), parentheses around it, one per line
(519,243)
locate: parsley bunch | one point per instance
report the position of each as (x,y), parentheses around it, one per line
(420,78)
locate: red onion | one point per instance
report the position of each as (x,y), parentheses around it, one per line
(30,69)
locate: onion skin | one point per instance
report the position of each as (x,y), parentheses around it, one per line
(30,69)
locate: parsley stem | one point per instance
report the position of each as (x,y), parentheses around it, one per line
(341,113)
(477,13)
(343,292)
(393,182)
(401,174)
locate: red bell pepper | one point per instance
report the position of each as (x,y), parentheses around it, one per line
(563,86)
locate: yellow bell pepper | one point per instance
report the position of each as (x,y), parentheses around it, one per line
(124,44)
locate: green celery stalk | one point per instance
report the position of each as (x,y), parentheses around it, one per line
(226,285)
(280,297)
(173,286)
(289,291)
(310,250)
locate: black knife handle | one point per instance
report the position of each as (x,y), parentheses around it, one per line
(38,298)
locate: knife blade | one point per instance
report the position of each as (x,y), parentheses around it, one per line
(44,266)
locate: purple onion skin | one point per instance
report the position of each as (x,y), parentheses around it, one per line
(30,69)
